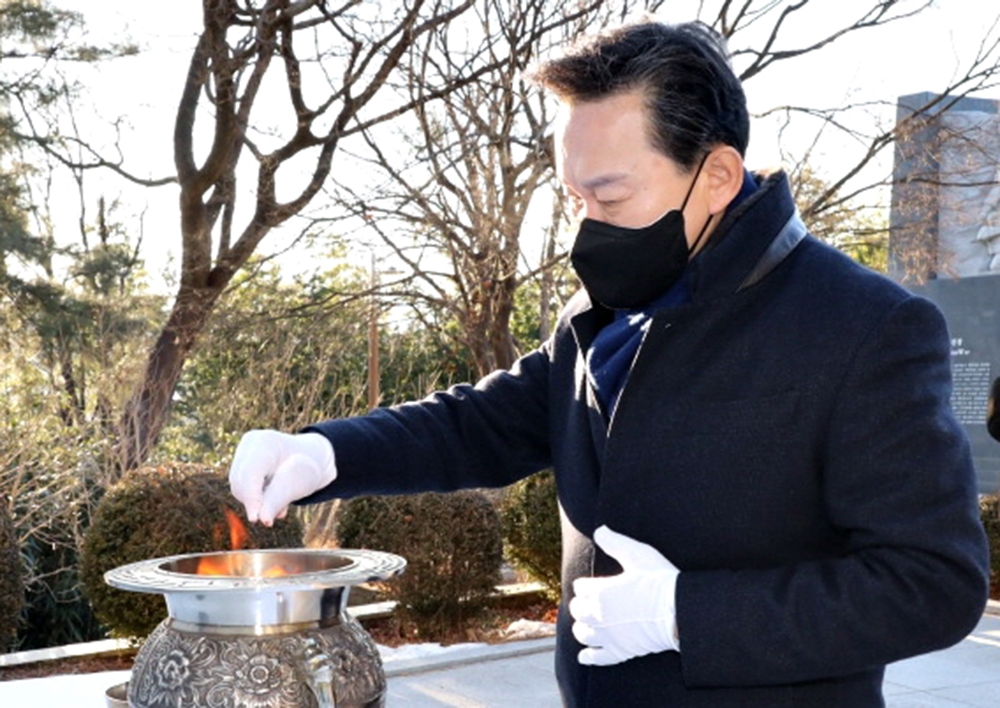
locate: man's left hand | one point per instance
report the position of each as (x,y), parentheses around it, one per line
(630,614)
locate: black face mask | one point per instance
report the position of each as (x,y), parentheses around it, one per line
(624,268)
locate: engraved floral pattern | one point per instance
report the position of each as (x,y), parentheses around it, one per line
(260,676)
(258,673)
(180,669)
(173,670)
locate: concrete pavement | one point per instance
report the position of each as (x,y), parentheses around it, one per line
(967,674)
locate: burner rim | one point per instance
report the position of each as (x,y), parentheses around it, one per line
(152,575)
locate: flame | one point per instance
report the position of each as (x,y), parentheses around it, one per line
(221,565)
(238,533)
(238,536)
(213,565)
(275,571)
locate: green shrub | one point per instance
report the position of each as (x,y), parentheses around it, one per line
(531,529)
(989,507)
(452,545)
(12,585)
(163,511)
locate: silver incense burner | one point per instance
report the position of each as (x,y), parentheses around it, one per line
(257,629)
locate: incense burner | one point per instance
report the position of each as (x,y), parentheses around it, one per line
(257,629)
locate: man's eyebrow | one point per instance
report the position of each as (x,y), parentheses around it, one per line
(603,180)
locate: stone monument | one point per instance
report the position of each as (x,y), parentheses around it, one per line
(945,243)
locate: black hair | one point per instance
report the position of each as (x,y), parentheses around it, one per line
(695,99)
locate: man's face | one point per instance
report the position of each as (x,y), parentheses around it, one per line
(612,172)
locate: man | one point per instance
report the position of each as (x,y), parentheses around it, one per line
(764,495)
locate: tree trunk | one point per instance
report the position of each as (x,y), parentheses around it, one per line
(147,410)
(238,46)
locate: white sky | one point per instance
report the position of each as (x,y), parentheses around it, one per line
(919,54)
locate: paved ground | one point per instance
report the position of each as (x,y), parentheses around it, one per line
(524,679)
(967,674)
(520,674)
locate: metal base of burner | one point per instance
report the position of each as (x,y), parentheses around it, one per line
(264,629)
(182,669)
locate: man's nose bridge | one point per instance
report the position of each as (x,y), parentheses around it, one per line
(592,209)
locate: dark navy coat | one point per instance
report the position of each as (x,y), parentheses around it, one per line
(785,439)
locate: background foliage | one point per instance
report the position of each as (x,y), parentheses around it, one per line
(466,207)
(154,512)
(453,549)
(990,510)
(532,529)
(12,588)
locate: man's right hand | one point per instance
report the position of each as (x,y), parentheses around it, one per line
(271,469)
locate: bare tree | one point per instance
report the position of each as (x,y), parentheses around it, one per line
(763,33)
(333,62)
(454,206)
(451,208)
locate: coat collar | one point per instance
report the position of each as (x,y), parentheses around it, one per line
(749,241)
(746,245)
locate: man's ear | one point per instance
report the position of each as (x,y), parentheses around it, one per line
(724,172)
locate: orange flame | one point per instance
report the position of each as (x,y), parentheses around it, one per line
(238,533)
(238,537)
(275,571)
(222,565)
(213,565)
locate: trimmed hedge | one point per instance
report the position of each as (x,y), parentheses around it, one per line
(989,507)
(154,512)
(531,529)
(452,544)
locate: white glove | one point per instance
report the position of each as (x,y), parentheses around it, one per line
(631,614)
(271,469)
